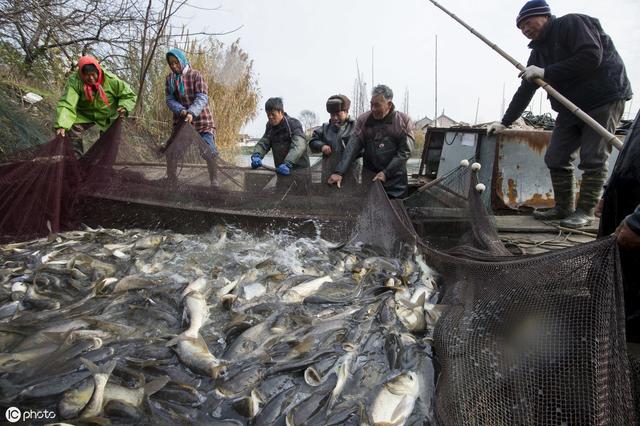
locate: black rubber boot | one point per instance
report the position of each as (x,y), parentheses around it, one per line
(590,193)
(564,194)
(579,219)
(212,167)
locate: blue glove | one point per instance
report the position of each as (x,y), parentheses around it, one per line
(256,161)
(283,169)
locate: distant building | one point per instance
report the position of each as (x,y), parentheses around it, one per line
(423,122)
(441,121)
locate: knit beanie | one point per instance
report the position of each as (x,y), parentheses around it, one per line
(533,8)
(337,103)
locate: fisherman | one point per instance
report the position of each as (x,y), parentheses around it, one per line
(385,136)
(91,96)
(574,55)
(285,136)
(620,213)
(186,92)
(331,138)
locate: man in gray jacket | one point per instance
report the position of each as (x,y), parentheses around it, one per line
(574,55)
(331,138)
(385,138)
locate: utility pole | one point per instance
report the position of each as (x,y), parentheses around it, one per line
(477,108)
(435,118)
(372,79)
(502,112)
(405,106)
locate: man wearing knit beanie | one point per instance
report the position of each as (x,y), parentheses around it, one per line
(332,137)
(574,55)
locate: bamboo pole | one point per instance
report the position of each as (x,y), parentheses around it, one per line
(608,136)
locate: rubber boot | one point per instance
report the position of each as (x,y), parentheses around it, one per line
(172,172)
(590,193)
(212,167)
(564,193)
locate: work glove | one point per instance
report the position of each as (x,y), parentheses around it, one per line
(256,161)
(283,169)
(532,72)
(496,127)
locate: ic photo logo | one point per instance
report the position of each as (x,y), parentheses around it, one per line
(13,414)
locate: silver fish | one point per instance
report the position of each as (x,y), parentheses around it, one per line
(194,353)
(395,401)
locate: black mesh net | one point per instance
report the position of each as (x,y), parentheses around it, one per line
(527,340)
(538,340)
(448,214)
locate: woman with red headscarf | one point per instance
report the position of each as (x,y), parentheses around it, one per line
(91,96)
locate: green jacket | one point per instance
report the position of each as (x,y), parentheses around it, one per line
(75,108)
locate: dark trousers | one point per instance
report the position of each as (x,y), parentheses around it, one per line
(75,134)
(572,134)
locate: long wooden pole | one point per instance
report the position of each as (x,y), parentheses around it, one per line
(608,136)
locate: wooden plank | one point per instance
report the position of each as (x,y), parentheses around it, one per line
(529,224)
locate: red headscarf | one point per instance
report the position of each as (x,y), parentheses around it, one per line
(88,88)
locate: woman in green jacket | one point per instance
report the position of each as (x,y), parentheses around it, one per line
(91,96)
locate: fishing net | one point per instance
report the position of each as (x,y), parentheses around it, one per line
(535,340)
(526,340)
(449,215)
(111,186)
(37,191)
(17,133)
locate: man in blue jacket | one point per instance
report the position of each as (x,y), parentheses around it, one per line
(574,55)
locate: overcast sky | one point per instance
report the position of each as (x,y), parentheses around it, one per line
(304,51)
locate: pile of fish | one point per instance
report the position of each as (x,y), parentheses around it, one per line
(105,326)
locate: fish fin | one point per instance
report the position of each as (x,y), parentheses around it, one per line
(185,336)
(185,315)
(155,385)
(174,341)
(55,337)
(90,366)
(106,368)
(200,340)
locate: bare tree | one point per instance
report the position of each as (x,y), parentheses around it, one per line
(308,118)
(360,95)
(38,28)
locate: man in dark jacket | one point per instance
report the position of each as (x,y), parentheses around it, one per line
(386,136)
(620,213)
(575,56)
(331,138)
(284,135)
